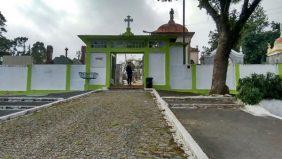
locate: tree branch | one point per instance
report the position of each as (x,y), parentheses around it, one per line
(244,16)
(214,14)
(225,5)
(245,6)
(247,11)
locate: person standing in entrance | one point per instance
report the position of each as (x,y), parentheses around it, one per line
(129,73)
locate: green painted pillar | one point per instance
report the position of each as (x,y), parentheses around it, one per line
(280,70)
(108,69)
(146,64)
(68,77)
(237,74)
(194,77)
(28,80)
(167,66)
(87,69)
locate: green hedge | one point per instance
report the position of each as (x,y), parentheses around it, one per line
(251,90)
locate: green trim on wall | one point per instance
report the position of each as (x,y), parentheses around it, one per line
(161,87)
(194,77)
(95,87)
(108,69)
(237,74)
(87,69)
(32,92)
(68,77)
(146,64)
(280,70)
(28,80)
(167,66)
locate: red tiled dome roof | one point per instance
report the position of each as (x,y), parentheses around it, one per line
(171,26)
(279,40)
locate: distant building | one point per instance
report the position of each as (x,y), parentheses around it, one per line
(194,55)
(274,54)
(17,60)
(235,58)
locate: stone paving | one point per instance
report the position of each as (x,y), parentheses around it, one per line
(112,124)
(228,133)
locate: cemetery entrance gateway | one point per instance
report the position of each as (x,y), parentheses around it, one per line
(103,49)
(119,61)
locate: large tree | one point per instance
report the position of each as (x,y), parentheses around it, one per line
(38,52)
(5,43)
(19,46)
(2,24)
(255,43)
(229,23)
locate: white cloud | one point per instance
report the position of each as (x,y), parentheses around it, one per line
(58,22)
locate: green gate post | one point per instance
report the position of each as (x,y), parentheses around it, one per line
(237,74)
(194,77)
(280,69)
(68,77)
(28,80)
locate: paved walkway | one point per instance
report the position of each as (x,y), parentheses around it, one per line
(233,134)
(114,124)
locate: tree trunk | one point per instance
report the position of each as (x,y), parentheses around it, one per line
(221,64)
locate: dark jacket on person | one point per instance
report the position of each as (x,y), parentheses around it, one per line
(129,70)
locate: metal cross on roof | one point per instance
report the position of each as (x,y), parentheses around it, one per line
(128,20)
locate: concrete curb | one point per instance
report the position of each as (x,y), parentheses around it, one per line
(187,142)
(29,111)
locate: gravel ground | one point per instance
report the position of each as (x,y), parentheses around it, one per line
(113,124)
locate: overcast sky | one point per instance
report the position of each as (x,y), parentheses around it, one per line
(58,22)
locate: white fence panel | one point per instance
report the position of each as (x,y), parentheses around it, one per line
(157,68)
(231,80)
(76,82)
(204,76)
(180,76)
(98,65)
(13,78)
(247,70)
(48,77)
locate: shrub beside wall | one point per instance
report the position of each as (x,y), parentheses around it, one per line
(252,89)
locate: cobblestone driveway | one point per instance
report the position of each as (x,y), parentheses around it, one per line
(113,124)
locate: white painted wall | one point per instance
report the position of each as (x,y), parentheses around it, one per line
(98,65)
(157,68)
(204,77)
(48,77)
(13,78)
(180,76)
(274,106)
(76,82)
(247,70)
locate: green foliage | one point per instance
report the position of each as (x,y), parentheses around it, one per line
(38,52)
(255,42)
(18,47)
(2,24)
(5,43)
(250,95)
(15,47)
(253,89)
(255,37)
(213,35)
